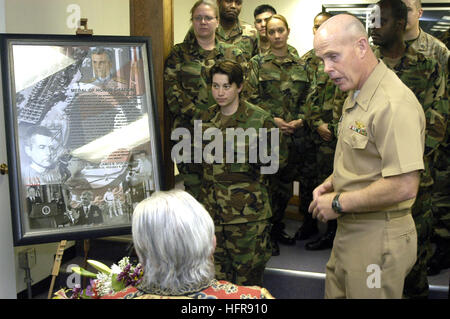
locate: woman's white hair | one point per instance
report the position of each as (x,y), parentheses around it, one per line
(173,236)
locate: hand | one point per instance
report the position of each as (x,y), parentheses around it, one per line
(286,128)
(321,209)
(320,198)
(296,123)
(324,132)
(325,187)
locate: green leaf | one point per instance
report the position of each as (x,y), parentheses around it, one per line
(83,272)
(117,285)
(99,266)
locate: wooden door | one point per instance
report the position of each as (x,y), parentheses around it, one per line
(154,18)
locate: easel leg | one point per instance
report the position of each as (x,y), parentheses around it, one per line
(86,245)
(56,266)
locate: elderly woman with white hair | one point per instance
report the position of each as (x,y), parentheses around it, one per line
(174,239)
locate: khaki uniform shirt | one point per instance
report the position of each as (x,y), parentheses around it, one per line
(425,78)
(381,134)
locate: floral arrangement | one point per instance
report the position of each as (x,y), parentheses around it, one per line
(106,281)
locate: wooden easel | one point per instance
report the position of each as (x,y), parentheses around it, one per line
(56,266)
(84,30)
(86,247)
(58,259)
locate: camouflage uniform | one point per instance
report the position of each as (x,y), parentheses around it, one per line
(425,78)
(431,47)
(434,48)
(262,50)
(441,204)
(235,194)
(280,85)
(324,105)
(243,35)
(291,49)
(188,91)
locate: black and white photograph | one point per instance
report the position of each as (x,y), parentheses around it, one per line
(83,134)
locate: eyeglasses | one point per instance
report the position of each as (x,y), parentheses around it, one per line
(201,18)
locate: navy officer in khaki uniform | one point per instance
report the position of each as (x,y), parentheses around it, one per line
(377,161)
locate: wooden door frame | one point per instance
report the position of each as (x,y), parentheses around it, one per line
(154,18)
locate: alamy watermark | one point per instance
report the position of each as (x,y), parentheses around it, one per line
(374,279)
(238,142)
(373,17)
(74,279)
(73,19)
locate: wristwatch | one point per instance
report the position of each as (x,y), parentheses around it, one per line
(336,205)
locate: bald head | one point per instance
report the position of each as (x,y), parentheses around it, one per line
(344,26)
(342,43)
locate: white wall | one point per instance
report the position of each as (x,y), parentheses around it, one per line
(2,16)
(105,17)
(299,14)
(8,286)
